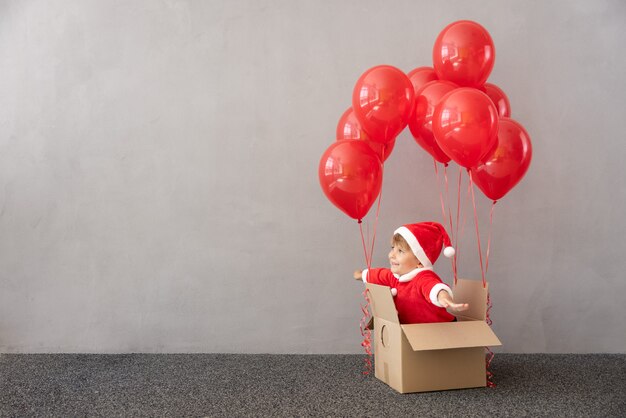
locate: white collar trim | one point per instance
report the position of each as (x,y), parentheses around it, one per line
(407,277)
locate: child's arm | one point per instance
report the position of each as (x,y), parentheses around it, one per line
(379,276)
(446,301)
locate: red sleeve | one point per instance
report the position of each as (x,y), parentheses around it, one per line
(427,282)
(383,277)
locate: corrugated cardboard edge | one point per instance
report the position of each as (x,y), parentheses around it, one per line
(446,335)
(382,303)
(472,292)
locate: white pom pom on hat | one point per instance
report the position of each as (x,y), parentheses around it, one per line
(449,252)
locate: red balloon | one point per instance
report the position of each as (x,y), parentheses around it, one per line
(507,163)
(421,122)
(464,54)
(349,127)
(497,96)
(465,125)
(383,101)
(421,76)
(350,174)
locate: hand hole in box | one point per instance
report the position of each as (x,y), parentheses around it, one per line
(384,336)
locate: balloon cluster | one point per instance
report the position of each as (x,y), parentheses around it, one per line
(452,113)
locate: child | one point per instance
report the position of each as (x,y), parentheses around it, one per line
(419,294)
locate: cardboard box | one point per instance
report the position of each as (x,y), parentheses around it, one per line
(434,356)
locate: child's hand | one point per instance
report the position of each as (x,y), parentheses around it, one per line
(358,275)
(446,301)
(457,307)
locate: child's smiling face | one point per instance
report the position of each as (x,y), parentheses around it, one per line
(401,258)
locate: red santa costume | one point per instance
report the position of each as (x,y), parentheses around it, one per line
(415,293)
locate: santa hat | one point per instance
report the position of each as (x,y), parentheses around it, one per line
(426,240)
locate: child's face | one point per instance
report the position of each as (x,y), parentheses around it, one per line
(402,259)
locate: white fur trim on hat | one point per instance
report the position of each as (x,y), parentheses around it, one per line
(435,291)
(414,244)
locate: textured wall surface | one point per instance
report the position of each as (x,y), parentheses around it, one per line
(158,173)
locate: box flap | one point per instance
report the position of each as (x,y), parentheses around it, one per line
(445,335)
(382,302)
(472,292)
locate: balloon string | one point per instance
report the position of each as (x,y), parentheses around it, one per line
(458,202)
(457,237)
(480,253)
(454,236)
(462,206)
(488,358)
(464,221)
(490,354)
(365,332)
(366,343)
(443,209)
(493,205)
(367,236)
(380,195)
(489,305)
(367,261)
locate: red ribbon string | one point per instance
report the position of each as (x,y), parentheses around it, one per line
(493,205)
(445,173)
(488,319)
(453,235)
(458,234)
(464,219)
(448,218)
(366,333)
(443,206)
(458,204)
(380,195)
(480,252)
(366,343)
(488,358)
(367,262)
(489,354)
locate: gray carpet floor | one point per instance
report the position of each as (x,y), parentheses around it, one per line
(216,385)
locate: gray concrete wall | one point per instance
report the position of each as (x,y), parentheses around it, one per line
(158,173)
